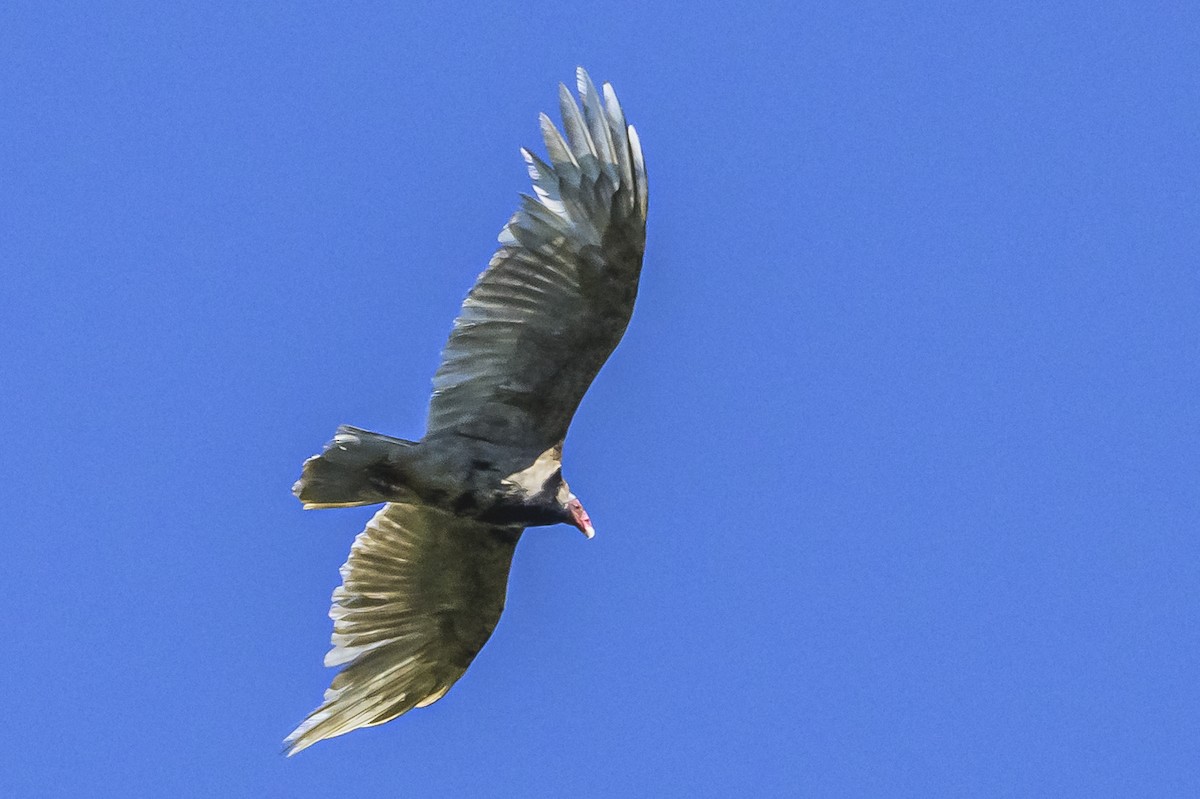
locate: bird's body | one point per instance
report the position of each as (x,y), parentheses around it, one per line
(425,582)
(460,475)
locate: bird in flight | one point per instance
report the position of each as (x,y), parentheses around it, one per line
(425,582)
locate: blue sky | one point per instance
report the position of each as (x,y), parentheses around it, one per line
(895,475)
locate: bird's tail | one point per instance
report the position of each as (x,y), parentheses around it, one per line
(358,467)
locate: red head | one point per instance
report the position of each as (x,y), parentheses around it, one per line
(579,517)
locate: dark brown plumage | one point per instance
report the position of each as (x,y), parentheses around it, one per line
(425,582)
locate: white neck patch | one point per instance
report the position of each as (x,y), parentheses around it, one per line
(531,479)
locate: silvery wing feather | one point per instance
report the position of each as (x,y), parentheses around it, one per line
(420,595)
(558,293)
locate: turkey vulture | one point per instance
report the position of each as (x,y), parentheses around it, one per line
(425,582)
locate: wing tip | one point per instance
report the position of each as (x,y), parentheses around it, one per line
(584,84)
(299,739)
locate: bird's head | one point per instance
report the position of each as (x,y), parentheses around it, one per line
(573,512)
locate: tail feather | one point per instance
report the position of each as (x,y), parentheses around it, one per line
(358,467)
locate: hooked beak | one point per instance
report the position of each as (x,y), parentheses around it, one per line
(580,518)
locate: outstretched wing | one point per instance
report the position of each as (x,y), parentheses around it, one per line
(420,595)
(558,294)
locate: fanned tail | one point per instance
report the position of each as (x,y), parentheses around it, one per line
(358,467)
